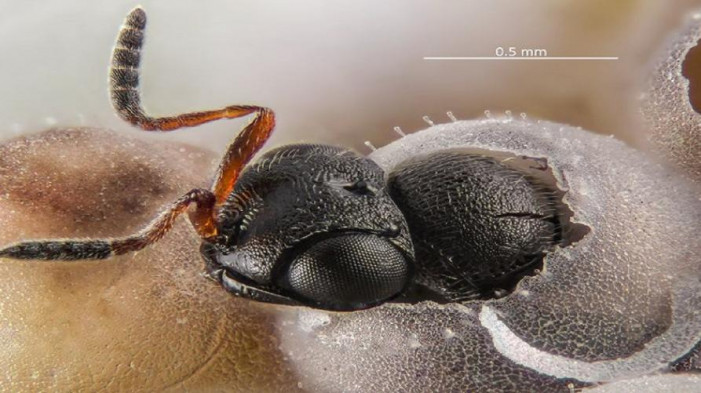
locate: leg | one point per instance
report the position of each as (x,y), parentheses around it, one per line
(124,82)
(104,248)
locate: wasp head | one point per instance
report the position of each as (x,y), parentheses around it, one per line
(314,225)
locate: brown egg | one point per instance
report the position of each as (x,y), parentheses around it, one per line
(141,322)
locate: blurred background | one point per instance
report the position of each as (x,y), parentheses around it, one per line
(338,72)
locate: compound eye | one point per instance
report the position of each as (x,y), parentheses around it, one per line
(347,272)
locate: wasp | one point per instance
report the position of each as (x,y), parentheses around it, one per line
(324,226)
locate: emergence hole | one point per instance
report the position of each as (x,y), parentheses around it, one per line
(691,70)
(539,169)
(458,269)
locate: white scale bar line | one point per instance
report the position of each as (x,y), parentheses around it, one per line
(524,58)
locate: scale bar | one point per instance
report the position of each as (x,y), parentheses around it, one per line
(525,58)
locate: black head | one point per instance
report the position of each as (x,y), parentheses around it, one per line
(312,224)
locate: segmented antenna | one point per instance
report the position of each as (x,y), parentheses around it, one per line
(124,73)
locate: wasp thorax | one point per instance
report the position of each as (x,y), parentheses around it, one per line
(479,224)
